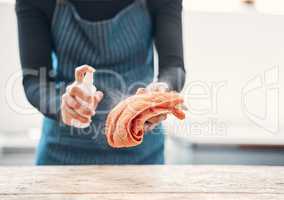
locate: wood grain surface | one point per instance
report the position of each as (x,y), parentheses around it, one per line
(142,182)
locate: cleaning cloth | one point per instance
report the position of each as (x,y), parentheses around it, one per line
(125,123)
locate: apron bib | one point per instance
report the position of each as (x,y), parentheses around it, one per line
(121,50)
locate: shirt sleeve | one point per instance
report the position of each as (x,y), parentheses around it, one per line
(35,44)
(167,18)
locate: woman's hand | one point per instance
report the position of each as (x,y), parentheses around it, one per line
(76,105)
(161,87)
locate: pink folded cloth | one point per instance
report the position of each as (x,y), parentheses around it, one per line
(125,123)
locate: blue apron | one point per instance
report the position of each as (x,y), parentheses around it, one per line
(121,50)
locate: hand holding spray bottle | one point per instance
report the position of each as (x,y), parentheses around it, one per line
(87,86)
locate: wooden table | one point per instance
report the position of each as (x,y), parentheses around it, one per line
(142,182)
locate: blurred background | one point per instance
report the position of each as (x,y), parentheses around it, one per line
(234,55)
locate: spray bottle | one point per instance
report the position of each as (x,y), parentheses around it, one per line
(87,86)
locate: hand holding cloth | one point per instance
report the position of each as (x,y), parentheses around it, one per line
(125,123)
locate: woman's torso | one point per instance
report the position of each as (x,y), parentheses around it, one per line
(121,49)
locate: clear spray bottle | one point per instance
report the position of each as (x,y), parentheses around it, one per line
(87,86)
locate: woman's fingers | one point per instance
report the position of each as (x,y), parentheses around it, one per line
(158,119)
(80,103)
(79,107)
(75,111)
(71,101)
(69,115)
(77,117)
(75,91)
(154,87)
(148,127)
(81,71)
(153,122)
(157,87)
(141,91)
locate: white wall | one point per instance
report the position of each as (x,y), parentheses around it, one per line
(12,120)
(237,49)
